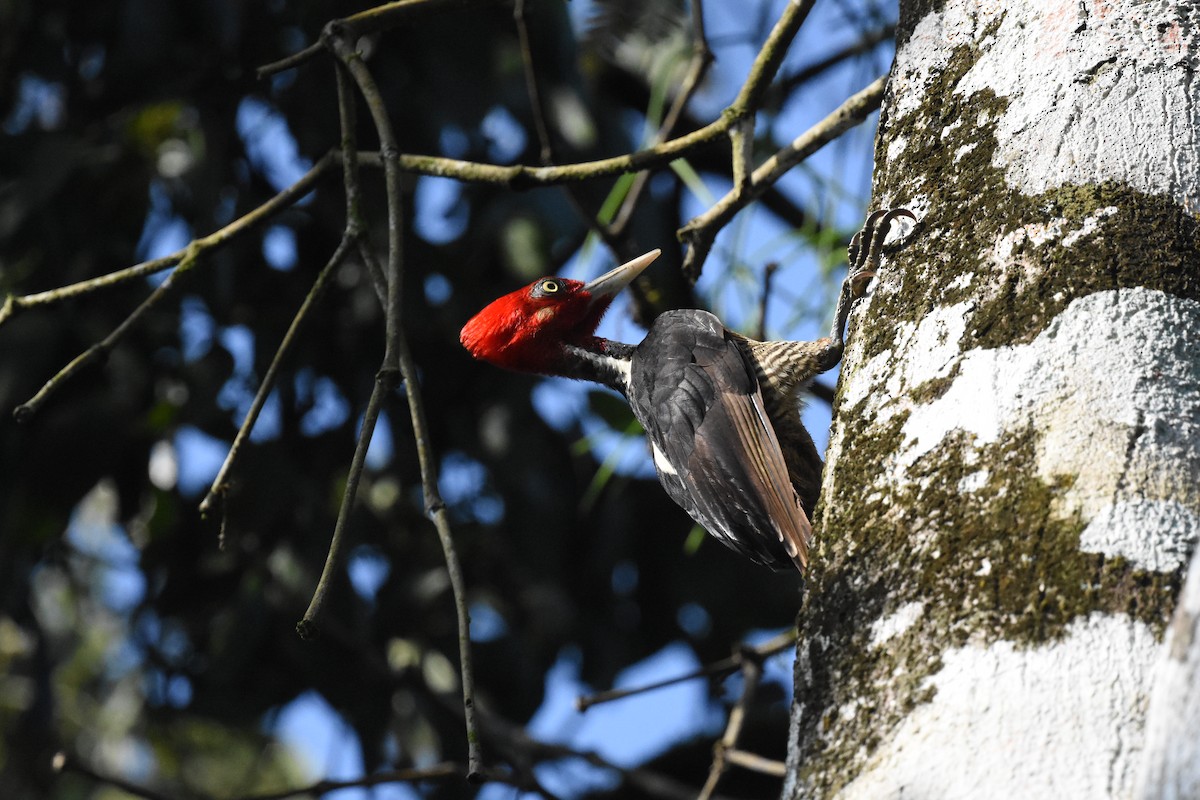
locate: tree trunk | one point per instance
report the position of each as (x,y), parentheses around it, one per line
(1171,759)
(1012,487)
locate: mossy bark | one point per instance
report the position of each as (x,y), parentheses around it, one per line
(977,533)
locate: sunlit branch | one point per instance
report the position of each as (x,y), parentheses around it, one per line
(751,668)
(853,111)
(701,231)
(521,176)
(770,57)
(285,198)
(741,147)
(220,484)
(755,763)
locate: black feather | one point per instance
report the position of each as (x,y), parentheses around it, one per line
(696,394)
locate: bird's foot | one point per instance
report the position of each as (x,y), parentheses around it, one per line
(865,247)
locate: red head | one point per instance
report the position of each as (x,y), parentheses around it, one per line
(526,330)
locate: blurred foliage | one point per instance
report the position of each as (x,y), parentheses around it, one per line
(128,638)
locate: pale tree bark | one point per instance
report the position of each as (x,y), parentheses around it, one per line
(1171,758)
(1012,488)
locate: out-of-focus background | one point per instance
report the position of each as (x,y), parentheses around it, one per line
(130,640)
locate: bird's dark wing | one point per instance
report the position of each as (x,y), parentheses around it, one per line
(715,450)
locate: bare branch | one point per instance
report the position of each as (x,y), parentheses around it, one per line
(355,225)
(220,483)
(787,83)
(307,627)
(702,59)
(519,746)
(446,769)
(751,673)
(755,763)
(721,668)
(521,176)
(768,279)
(741,145)
(769,57)
(397,361)
(702,230)
(99,351)
(372,20)
(246,222)
(65,763)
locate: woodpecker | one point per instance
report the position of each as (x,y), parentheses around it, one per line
(721,411)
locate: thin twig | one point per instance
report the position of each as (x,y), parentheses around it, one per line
(542,129)
(522,176)
(288,62)
(751,673)
(335,39)
(784,86)
(388,374)
(355,224)
(99,351)
(220,483)
(741,146)
(436,508)
(372,20)
(755,763)
(65,763)
(770,56)
(724,666)
(545,148)
(701,231)
(398,362)
(720,668)
(702,59)
(222,236)
(768,278)
(307,626)
(822,391)
(515,743)
(446,769)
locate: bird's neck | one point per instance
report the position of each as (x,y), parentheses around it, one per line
(600,361)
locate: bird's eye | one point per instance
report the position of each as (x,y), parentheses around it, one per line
(547,286)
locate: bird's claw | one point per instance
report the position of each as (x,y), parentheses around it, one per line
(866,245)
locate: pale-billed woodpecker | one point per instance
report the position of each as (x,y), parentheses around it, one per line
(721,411)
